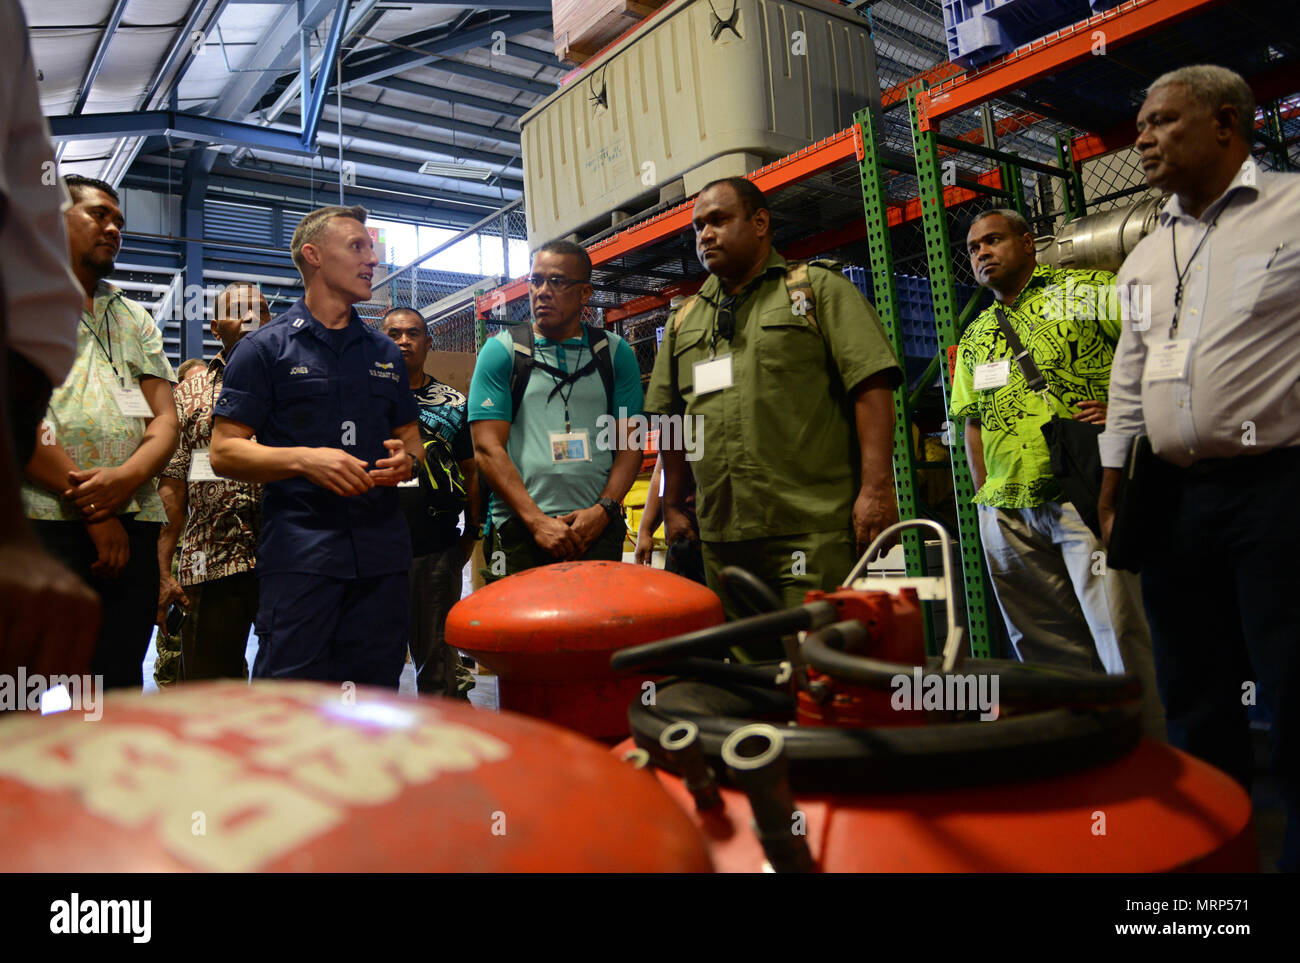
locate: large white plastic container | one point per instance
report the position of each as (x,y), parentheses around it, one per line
(683,100)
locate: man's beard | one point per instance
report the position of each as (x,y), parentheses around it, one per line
(99,269)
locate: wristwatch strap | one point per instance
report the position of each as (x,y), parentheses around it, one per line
(611,508)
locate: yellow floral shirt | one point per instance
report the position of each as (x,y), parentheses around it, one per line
(83,414)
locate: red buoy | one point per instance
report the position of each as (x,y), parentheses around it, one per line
(1154,810)
(314,777)
(548,634)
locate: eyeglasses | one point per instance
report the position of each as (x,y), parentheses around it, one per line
(557,282)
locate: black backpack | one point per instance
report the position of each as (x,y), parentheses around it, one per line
(525,361)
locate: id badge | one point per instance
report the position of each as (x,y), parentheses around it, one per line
(1168,361)
(132,402)
(569,446)
(201,466)
(994,374)
(712,375)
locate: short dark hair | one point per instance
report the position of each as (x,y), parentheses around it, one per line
(76,183)
(751,198)
(569,249)
(1014,219)
(312,224)
(383,322)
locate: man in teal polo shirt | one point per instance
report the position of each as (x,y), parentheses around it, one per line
(560,465)
(1061,603)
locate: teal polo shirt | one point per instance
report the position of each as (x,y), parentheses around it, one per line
(557,488)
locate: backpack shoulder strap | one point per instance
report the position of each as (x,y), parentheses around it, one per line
(682,306)
(603,356)
(799,286)
(522,369)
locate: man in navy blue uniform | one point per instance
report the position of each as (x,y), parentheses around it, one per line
(316,406)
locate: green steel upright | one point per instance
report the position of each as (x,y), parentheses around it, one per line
(882,277)
(934,219)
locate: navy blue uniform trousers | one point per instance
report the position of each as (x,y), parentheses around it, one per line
(1220,589)
(332,629)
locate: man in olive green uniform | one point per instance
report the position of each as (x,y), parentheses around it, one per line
(785,375)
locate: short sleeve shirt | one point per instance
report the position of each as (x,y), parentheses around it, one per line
(433,508)
(118,342)
(1069,322)
(556,487)
(777,453)
(297,383)
(223,524)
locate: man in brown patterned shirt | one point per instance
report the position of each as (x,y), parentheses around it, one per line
(217,586)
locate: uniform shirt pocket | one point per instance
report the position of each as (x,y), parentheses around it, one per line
(688,348)
(787,342)
(1248,280)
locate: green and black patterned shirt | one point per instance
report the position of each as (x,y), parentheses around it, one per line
(1070,323)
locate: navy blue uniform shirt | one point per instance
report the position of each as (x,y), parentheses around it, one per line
(297,383)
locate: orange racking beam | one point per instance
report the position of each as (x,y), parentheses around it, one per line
(1051,53)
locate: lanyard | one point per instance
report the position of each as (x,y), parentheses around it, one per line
(559,386)
(1181,274)
(108,336)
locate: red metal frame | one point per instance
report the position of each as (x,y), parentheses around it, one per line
(1051,53)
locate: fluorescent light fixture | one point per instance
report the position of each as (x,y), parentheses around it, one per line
(466,171)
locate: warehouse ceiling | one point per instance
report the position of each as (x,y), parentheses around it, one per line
(421,82)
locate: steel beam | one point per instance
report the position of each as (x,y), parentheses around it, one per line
(500,78)
(497,134)
(445,44)
(313,105)
(97,61)
(209,130)
(443,95)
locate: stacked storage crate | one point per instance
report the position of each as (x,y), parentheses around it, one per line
(980,30)
(915,310)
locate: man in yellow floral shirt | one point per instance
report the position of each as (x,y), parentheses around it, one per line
(216,584)
(108,431)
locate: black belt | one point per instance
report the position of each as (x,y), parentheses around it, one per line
(1273,460)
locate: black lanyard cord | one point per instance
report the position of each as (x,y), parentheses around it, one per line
(1181,273)
(571,380)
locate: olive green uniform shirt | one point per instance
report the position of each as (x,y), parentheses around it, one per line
(779,449)
(1069,322)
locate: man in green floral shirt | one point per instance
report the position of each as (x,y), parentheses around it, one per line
(109,429)
(1060,601)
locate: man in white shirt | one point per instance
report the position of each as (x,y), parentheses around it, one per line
(1213,379)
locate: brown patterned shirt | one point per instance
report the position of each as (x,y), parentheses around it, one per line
(224,521)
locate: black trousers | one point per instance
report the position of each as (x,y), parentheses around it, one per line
(130,601)
(1219,585)
(215,631)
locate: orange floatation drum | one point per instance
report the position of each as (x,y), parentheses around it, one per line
(548,634)
(317,777)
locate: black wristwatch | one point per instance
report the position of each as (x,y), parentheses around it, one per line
(611,508)
(415,465)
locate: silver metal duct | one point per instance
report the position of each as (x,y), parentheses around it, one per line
(1101,241)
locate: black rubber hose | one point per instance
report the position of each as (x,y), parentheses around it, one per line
(724,673)
(718,639)
(747,590)
(1018,682)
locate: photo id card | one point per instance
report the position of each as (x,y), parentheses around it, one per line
(1167,361)
(132,402)
(570,446)
(994,374)
(201,466)
(713,375)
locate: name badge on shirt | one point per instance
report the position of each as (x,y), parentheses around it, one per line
(201,466)
(1168,361)
(994,374)
(132,402)
(713,375)
(569,446)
